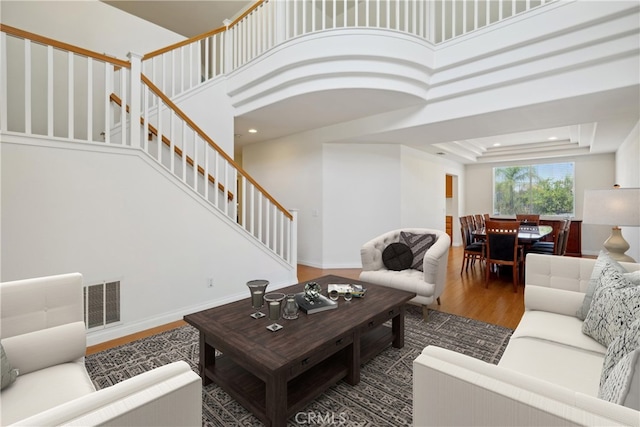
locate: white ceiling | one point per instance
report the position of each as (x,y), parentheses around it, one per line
(505,136)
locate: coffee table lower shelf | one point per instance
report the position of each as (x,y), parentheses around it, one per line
(250,391)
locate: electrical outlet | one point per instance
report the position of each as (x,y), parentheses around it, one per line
(210,282)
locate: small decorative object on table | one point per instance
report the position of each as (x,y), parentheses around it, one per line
(274,303)
(312,301)
(312,291)
(357,291)
(257,289)
(290,311)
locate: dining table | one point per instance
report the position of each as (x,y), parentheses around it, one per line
(527,234)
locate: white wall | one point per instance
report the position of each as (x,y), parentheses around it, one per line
(366,189)
(628,176)
(112,213)
(362,193)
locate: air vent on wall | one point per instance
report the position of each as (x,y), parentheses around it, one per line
(102,304)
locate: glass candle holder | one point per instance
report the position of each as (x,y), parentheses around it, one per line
(290,310)
(274,306)
(257,289)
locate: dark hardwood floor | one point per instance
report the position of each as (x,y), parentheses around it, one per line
(464,295)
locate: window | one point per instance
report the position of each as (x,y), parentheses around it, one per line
(545,189)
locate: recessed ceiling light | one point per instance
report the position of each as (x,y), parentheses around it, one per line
(497,144)
(552,138)
(252,131)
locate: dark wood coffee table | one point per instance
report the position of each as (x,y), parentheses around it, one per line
(275,374)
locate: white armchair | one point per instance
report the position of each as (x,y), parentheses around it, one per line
(427,284)
(44,338)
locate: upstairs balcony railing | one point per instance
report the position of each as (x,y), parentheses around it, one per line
(268,23)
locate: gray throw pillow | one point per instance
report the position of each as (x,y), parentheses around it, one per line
(603,258)
(8,374)
(615,305)
(419,244)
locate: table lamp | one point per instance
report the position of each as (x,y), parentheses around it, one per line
(617,207)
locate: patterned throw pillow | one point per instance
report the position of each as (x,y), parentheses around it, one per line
(419,244)
(603,258)
(623,384)
(615,305)
(397,256)
(627,341)
(8,374)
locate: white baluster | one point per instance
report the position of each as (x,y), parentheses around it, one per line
(70,97)
(90,99)
(183,143)
(27,87)
(216,176)
(3,83)
(159,129)
(50,90)
(134,108)
(145,126)
(196,137)
(234,190)
(245,203)
(108,82)
(260,228)
(172,141)
(123,108)
(226,187)
(206,170)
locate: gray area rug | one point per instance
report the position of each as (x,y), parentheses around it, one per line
(382,398)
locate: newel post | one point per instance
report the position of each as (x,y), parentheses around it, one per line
(135,109)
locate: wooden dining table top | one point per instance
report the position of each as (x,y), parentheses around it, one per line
(526,234)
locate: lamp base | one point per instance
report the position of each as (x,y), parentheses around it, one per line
(617,246)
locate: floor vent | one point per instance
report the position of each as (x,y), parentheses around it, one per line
(101,304)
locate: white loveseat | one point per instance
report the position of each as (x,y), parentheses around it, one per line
(549,374)
(427,284)
(44,338)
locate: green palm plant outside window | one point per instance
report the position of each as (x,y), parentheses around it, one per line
(545,189)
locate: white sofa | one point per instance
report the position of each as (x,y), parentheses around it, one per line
(44,338)
(427,284)
(549,374)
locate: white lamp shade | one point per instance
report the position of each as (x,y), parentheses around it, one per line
(616,207)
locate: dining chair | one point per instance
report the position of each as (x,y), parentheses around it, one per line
(551,248)
(473,251)
(502,249)
(565,237)
(528,218)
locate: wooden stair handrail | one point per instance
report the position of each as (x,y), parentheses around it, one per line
(201,36)
(64,46)
(215,146)
(116,99)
